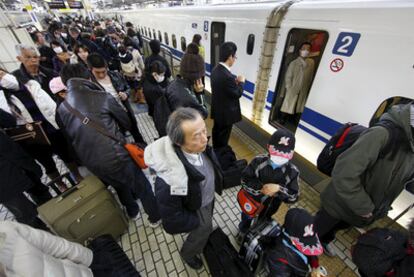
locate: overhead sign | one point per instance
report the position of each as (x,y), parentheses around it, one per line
(75,4)
(346,43)
(56,4)
(337,65)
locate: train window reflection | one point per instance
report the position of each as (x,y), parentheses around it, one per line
(166,38)
(250,44)
(183,44)
(159,36)
(302,54)
(174,41)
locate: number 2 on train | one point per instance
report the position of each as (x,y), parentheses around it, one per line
(345,44)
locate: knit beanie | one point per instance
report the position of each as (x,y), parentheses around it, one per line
(282,143)
(192,67)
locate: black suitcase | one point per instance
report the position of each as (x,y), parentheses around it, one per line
(252,249)
(109,260)
(222,258)
(232,176)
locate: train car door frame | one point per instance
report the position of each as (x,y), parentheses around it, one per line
(218,33)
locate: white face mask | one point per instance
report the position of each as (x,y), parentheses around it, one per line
(58,50)
(304,53)
(64,35)
(279,161)
(9,82)
(159,78)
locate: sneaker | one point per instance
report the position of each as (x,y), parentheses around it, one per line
(154,225)
(195,262)
(134,216)
(328,250)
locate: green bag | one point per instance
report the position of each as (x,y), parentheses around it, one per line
(84,212)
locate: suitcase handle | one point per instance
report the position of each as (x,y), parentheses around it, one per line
(67,193)
(66,176)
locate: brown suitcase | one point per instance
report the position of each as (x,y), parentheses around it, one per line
(84,212)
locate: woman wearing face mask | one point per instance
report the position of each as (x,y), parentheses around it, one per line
(36,105)
(152,88)
(62,56)
(80,55)
(272,176)
(298,79)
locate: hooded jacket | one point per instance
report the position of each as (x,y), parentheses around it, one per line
(102,155)
(364,183)
(177,186)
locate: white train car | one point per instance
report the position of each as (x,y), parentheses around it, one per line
(362,51)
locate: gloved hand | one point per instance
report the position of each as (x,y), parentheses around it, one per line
(319,272)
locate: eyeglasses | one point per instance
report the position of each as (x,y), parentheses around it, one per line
(31,57)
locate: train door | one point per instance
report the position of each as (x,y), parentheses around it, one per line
(218,30)
(302,54)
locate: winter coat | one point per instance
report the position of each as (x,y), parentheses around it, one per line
(44,77)
(298,79)
(180,95)
(177,205)
(43,101)
(150,59)
(259,172)
(15,164)
(100,154)
(25,251)
(152,91)
(362,182)
(225,105)
(47,53)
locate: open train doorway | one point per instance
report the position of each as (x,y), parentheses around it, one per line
(302,54)
(218,32)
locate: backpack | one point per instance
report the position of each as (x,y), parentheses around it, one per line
(345,137)
(378,250)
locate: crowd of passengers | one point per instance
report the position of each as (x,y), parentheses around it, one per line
(98,68)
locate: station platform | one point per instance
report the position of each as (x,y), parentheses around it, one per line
(156,253)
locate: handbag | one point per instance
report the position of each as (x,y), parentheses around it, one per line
(28,134)
(135,151)
(248,204)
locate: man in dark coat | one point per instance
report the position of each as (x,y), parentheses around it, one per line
(30,68)
(226,91)
(19,173)
(46,53)
(103,156)
(364,184)
(115,84)
(188,175)
(155,46)
(152,87)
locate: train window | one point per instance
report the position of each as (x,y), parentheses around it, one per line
(159,36)
(183,44)
(154,34)
(250,44)
(174,41)
(302,54)
(166,38)
(145,31)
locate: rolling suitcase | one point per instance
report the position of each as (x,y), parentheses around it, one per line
(222,258)
(84,212)
(109,259)
(254,242)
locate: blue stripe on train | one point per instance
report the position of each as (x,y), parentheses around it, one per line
(318,120)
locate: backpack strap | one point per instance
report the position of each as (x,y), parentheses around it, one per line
(395,137)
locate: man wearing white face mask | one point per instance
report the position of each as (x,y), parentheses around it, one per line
(298,79)
(268,175)
(152,85)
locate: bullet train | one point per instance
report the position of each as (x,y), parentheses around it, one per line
(361,51)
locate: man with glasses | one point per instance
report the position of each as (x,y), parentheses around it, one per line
(30,68)
(226,92)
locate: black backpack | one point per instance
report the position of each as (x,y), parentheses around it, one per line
(345,137)
(377,251)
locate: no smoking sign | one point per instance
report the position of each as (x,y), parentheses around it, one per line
(337,65)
